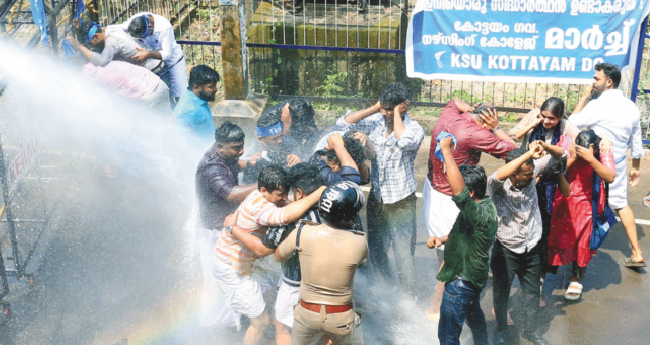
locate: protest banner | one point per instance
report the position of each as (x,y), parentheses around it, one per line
(532,41)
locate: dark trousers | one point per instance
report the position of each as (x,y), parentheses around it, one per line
(461,303)
(505,265)
(393,224)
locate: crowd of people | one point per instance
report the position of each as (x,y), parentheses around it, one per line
(292,228)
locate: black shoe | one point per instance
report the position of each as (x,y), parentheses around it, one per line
(499,338)
(535,338)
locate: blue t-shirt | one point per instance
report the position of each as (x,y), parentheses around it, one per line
(194,114)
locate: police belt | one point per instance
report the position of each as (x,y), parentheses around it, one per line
(159,69)
(329,309)
(176,63)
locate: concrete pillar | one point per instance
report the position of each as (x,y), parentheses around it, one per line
(233,49)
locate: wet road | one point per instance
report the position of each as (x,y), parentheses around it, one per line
(120,266)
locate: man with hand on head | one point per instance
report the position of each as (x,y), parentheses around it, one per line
(273,146)
(240,246)
(515,250)
(193,112)
(465,272)
(476,130)
(614,116)
(329,256)
(156,34)
(392,202)
(305,179)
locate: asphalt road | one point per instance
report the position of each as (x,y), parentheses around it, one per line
(120,268)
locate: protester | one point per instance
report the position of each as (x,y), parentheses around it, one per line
(548,123)
(465,272)
(515,249)
(329,255)
(298,122)
(193,111)
(218,194)
(392,202)
(273,146)
(156,34)
(573,216)
(305,179)
(117,45)
(240,246)
(614,116)
(343,159)
(132,82)
(476,130)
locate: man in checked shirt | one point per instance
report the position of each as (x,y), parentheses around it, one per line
(391,204)
(519,231)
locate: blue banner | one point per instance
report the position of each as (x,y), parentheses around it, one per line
(38,14)
(551,41)
(80,8)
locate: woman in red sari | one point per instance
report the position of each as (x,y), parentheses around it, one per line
(572,220)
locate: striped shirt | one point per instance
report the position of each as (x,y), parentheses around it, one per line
(520,221)
(255,215)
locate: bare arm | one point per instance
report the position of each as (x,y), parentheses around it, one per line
(491,123)
(462,106)
(583,101)
(635,173)
(335,142)
(252,242)
(563,184)
(239,193)
(555,151)
(588,155)
(398,123)
(454,176)
(362,114)
(511,168)
(296,209)
(525,129)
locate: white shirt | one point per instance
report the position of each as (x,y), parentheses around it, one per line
(161,40)
(615,117)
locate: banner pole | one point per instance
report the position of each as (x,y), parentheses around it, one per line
(639,57)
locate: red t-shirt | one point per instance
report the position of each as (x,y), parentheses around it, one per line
(472,140)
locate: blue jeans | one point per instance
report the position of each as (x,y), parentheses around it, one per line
(461,303)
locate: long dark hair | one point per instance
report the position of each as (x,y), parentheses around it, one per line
(588,137)
(555,106)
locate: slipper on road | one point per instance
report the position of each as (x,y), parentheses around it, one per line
(629,262)
(574,291)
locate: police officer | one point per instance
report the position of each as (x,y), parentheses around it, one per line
(329,255)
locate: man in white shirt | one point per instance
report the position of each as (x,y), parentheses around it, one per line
(157,34)
(611,115)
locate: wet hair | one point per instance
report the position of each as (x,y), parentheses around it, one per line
(353,146)
(269,118)
(273,178)
(555,106)
(611,71)
(476,113)
(475,179)
(301,111)
(137,27)
(306,177)
(201,75)
(516,153)
(588,137)
(82,35)
(228,133)
(394,94)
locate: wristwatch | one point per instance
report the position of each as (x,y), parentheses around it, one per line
(496,129)
(229,229)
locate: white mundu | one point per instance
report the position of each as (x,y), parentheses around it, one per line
(617,118)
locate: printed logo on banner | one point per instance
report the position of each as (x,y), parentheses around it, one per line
(21,164)
(553,41)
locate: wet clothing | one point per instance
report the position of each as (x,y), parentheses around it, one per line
(330,177)
(439,211)
(162,40)
(255,215)
(195,115)
(566,128)
(127,80)
(469,241)
(393,225)
(288,147)
(472,141)
(120,46)
(572,220)
(505,265)
(329,259)
(285,303)
(460,303)
(393,169)
(215,178)
(342,328)
(244,293)
(617,118)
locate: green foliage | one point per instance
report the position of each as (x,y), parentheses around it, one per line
(510,117)
(333,84)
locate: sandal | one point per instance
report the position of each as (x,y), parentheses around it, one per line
(574,291)
(509,322)
(629,262)
(646,200)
